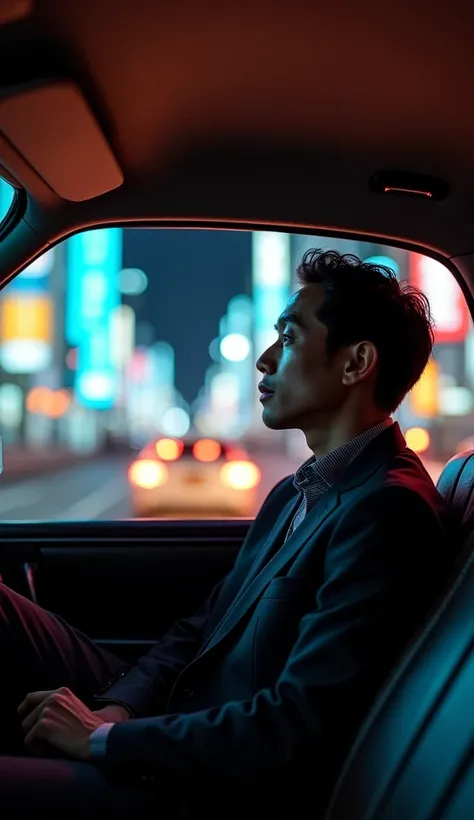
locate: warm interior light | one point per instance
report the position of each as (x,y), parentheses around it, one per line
(169,449)
(206,449)
(148,474)
(240,475)
(418,439)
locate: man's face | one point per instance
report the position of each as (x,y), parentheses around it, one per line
(300,384)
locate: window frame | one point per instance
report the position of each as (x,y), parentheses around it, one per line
(16,210)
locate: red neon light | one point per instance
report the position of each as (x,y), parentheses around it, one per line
(448,305)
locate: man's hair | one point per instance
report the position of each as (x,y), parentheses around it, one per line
(365,302)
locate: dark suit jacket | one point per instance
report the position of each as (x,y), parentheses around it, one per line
(271,677)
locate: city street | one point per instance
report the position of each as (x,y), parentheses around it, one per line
(98,489)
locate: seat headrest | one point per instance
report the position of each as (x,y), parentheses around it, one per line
(456,485)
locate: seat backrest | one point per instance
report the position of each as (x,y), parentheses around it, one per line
(456,485)
(414,755)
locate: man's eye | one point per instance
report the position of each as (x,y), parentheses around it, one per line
(285,338)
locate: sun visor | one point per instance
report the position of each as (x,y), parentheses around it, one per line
(54,129)
(13,10)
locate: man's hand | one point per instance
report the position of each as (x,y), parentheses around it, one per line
(59,718)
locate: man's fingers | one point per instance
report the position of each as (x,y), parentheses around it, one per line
(52,698)
(33,699)
(32,717)
(39,731)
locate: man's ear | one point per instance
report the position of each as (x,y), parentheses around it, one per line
(360,364)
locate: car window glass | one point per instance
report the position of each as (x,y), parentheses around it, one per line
(128,380)
(7,195)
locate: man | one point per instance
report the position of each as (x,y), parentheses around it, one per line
(263,688)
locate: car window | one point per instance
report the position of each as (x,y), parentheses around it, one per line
(7,195)
(127,373)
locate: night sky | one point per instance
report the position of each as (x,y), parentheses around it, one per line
(192,276)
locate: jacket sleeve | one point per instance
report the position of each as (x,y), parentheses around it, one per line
(382,568)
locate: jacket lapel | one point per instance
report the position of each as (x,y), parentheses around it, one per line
(262,573)
(385,446)
(276,534)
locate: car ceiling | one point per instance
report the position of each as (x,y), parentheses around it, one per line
(251,113)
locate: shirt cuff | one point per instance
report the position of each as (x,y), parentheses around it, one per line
(98,741)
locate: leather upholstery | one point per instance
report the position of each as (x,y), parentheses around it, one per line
(456,485)
(414,755)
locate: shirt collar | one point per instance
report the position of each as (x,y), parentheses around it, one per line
(328,469)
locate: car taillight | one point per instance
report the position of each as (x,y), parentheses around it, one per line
(169,449)
(240,475)
(233,454)
(148,474)
(206,449)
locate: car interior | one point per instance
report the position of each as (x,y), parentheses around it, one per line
(315,118)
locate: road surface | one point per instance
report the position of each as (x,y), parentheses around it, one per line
(98,490)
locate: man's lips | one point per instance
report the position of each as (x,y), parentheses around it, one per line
(265,392)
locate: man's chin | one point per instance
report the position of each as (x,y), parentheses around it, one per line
(272,420)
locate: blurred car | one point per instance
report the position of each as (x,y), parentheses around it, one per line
(199,478)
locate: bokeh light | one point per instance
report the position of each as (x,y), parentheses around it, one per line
(133,281)
(52,403)
(176,422)
(206,449)
(240,475)
(235,347)
(169,449)
(418,439)
(148,474)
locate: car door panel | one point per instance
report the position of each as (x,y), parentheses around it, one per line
(122,583)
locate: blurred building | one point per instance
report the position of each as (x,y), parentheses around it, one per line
(78,362)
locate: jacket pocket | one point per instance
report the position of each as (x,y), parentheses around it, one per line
(278,615)
(285,589)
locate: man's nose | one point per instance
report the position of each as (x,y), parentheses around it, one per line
(266,362)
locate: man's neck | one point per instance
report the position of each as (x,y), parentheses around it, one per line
(324,440)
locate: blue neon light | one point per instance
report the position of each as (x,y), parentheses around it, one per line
(27,286)
(7,193)
(385,261)
(94,260)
